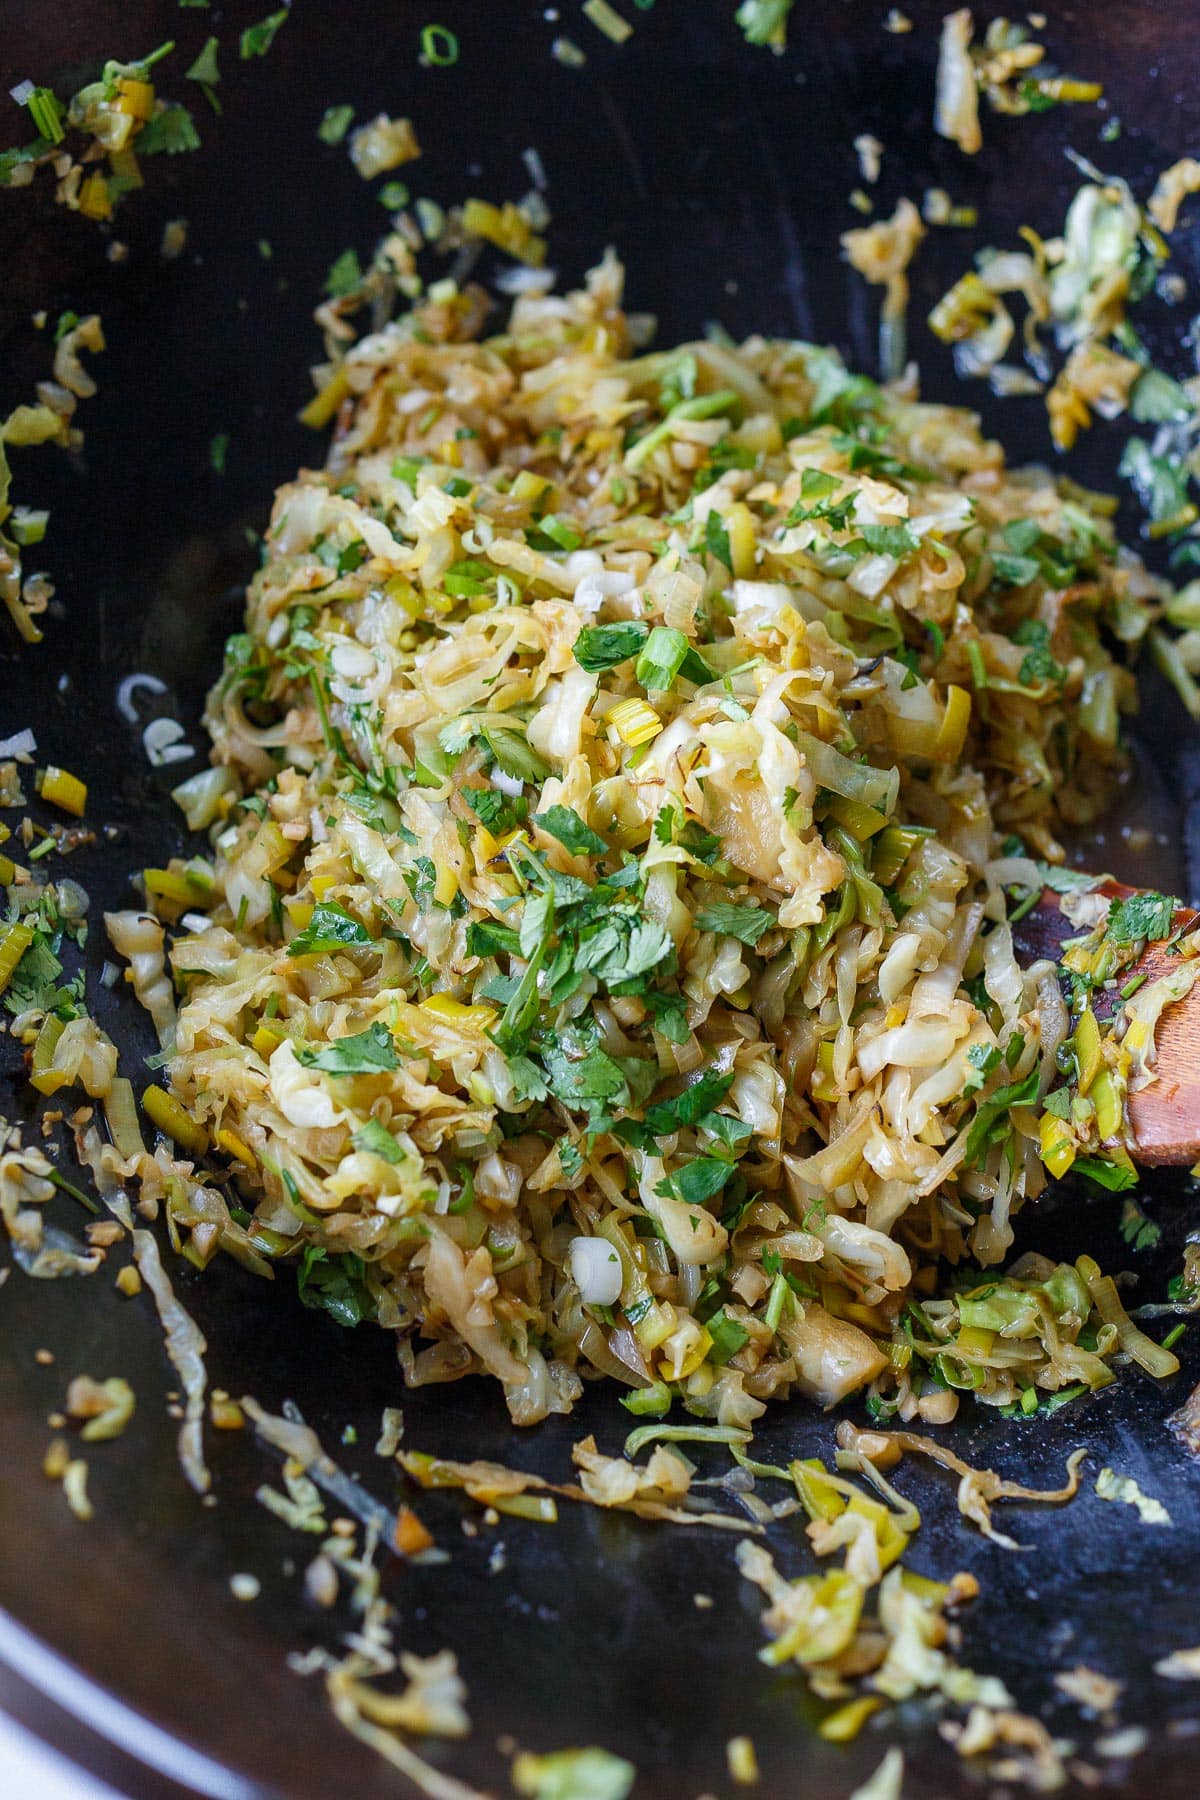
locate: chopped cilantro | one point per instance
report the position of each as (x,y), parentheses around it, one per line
(887,540)
(256,40)
(368,1052)
(600,647)
(1014,571)
(205,69)
(1158,399)
(330,928)
(727,1337)
(1160,482)
(513,753)
(169,132)
(991,1121)
(344,275)
(716,539)
(1141,915)
(746,923)
(563,823)
(485,938)
(335,1284)
(696,1182)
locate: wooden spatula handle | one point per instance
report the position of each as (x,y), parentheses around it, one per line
(1165,1117)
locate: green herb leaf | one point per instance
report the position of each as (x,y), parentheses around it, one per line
(696,1182)
(335,1284)
(256,40)
(344,275)
(368,1052)
(1142,915)
(169,132)
(624,947)
(716,539)
(498,811)
(991,1121)
(1158,399)
(514,754)
(563,823)
(728,1337)
(485,938)
(815,484)
(669,1116)
(205,69)
(746,923)
(1014,571)
(887,540)
(330,927)
(1160,482)
(600,647)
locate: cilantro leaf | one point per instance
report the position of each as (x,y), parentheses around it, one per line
(485,938)
(746,923)
(701,1097)
(537,923)
(345,274)
(887,540)
(696,1182)
(669,1012)
(565,824)
(330,927)
(256,40)
(335,1284)
(1141,915)
(1014,571)
(1158,399)
(169,132)
(764,21)
(982,1059)
(1022,535)
(991,1121)
(716,539)
(514,754)
(492,808)
(600,647)
(1160,482)
(368,1052)
(623,947)
(581,1075)
(816,484)
(727,1337)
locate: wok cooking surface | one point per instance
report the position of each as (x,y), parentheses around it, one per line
(720,173)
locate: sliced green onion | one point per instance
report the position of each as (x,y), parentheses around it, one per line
(439,46)
(47,112)
(684,1434)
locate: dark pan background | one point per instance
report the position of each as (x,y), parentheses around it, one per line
(721,174)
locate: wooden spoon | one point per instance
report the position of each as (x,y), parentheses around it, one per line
(1165,1116)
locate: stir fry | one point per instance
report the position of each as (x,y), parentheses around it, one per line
(618,795)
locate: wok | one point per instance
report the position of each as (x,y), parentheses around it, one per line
(721,173)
